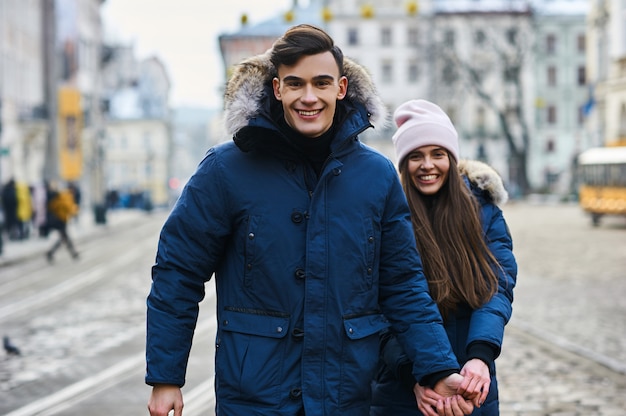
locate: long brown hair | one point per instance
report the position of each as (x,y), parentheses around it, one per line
(458,264)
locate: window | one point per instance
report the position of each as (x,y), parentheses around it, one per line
(581,115)
(449,74)
(449,38)
(551,114)
(580,43)
(413,36)
(552,76)
(387,72)
(582,78)
(550,146)
(551,44)
(353,37)
(511,36)
(479,37)
(385,36)
(413,72)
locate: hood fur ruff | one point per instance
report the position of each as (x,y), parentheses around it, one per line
(485,178)
(245,88)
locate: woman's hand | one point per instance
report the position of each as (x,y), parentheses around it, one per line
(476,381)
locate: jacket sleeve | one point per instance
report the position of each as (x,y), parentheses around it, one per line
(404,296)
(488,322)
(190,243)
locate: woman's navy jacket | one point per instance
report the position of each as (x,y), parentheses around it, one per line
(485,324)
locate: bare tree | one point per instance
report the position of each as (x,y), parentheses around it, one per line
(495,76)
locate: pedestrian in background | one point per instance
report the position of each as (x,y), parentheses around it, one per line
(9,205)
(61,208)
(309,236)
(466,250)
(24,209)
(40,192)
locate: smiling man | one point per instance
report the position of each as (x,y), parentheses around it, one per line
(307,232)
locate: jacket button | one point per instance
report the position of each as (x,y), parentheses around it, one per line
(351,330)
(370,239)
(336,171)
(279,329)
(251,236)
(297,217)
(300,274)
(295,393)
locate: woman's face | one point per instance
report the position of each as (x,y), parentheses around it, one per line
(428,167)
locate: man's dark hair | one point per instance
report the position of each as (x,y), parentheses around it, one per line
(303,40)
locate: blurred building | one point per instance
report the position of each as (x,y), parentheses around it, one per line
(606,63)
(50,89)
(22,98)
(561,94)
(138,129)
(517,103)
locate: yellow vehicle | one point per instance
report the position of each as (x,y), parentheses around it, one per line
(602,178)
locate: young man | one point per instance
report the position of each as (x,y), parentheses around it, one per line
(309,235)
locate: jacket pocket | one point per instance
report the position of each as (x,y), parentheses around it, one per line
(250,355)
(360,354)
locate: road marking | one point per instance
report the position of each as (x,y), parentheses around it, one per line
(69,286)
(65,398)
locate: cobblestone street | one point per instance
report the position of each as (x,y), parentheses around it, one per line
(565,348)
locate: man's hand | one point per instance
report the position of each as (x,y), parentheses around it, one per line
(165,397)
(443,401)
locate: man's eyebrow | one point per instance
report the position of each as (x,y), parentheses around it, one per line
(316,78)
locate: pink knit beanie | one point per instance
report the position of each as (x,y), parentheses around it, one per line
(422,123)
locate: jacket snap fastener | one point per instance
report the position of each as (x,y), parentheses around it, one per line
(295,393)
(251,236)
(297,217)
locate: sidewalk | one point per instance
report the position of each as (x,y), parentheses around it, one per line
(80,228)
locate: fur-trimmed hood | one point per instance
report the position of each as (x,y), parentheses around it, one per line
(246,90)
(485,178)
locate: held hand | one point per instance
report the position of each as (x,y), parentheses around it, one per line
(427,399)
(476,382)
(454,406)
(450,385)
(165,397)
(431,403)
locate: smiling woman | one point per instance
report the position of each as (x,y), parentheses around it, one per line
(183,34)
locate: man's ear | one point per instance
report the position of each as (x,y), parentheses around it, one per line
(343,88)
(276,88)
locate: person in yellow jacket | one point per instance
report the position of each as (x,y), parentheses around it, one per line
(61,208)
(24,209)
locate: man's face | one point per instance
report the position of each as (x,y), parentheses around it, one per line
(309,91)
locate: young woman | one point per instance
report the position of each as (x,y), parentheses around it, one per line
(467,256)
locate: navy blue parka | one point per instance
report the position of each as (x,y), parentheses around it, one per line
(466,327)
(308,270)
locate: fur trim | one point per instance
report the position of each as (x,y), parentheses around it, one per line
(485,178)
(244,91)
